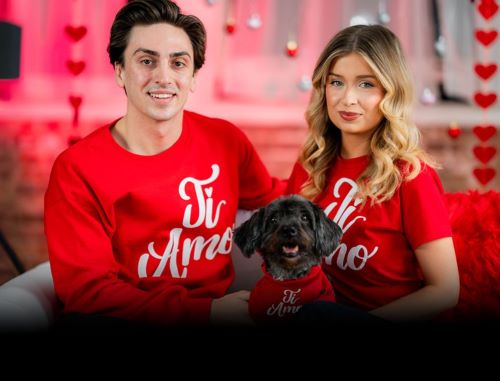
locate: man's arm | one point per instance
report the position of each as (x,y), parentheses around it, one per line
(85,271)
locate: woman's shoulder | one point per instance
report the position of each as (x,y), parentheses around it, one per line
(419,168)
(420,176)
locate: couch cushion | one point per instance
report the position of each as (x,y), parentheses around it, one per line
(28,302)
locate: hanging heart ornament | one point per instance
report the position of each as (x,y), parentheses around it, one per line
(484,133)
(75,33)
(488,9)
(485,71)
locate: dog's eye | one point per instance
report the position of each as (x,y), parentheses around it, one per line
(304,218)
(274,220)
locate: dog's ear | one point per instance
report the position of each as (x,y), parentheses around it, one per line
(328,233)
(249,234)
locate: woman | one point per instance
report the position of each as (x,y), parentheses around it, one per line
(362,163)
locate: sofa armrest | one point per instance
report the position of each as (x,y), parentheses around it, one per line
(28,302)
(247,270)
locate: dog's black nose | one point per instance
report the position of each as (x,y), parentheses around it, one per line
(290,231)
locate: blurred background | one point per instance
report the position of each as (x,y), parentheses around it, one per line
(57,85)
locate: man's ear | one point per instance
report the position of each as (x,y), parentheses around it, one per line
(193,82)
(119,75)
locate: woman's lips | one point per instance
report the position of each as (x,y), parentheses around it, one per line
(349,116)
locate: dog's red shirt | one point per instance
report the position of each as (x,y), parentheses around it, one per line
(273,301)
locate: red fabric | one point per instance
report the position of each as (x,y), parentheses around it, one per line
(273,301)
(149,237)
(375,262)
(475,221)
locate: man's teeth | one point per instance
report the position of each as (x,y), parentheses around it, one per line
(161,96)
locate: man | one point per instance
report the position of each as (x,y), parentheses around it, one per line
(139,214)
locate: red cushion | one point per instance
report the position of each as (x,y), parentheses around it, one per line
(475,223)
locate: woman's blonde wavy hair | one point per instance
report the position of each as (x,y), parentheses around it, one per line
(395,150)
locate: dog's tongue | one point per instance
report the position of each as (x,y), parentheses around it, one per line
(290,250)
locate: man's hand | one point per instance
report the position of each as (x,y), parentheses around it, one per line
(231,309)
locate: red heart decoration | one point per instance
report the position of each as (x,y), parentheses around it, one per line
(484,154)
(485,71)
(485,100)
(75,67)
(488,9)
(484,132)
(486,37)
(484,175)
(75,33)
(75,101)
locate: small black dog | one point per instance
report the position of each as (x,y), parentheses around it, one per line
(292,234)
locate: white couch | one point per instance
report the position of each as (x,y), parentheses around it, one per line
(28,302)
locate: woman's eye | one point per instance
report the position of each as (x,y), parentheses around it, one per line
(336,83)
(147,61)
(366,85)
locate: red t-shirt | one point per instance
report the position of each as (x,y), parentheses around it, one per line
(375,261)
(273,301)
(148,238)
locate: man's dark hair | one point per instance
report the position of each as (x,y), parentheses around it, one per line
(148,12)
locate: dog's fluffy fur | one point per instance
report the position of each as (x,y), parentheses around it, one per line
(292,234)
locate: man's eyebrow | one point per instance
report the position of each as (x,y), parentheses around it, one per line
(147,51)
(156,54)
(180,54)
